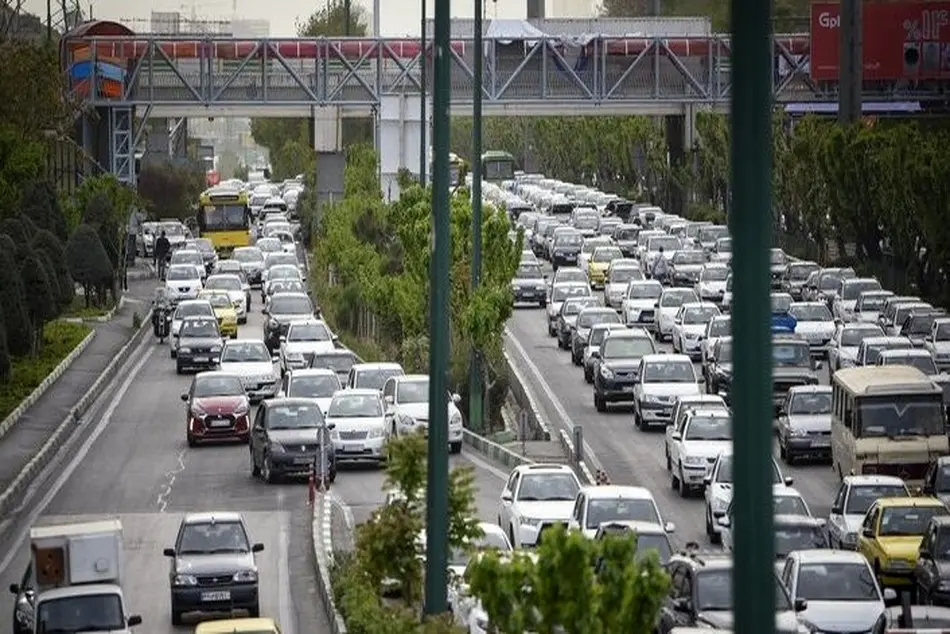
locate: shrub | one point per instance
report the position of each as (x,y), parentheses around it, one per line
(88,263)
(13,304)
(39,202)
(40,300)
(4,355)
(54,249)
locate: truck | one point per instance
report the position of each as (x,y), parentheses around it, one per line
(74,583)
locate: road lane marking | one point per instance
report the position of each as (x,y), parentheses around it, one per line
(170,477)
(589,455)
(80,455)
(286,613)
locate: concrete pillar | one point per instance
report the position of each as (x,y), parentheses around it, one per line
(675,145)
(158,144)
(398,140)
(328,144)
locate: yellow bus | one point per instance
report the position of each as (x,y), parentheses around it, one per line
(224,217)
(886,420)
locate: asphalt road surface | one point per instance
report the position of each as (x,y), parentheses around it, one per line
(628,455)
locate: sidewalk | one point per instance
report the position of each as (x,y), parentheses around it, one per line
(36,426)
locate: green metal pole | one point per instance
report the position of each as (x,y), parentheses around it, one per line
(437,507)
(476,398)
(423,94)
(754,560)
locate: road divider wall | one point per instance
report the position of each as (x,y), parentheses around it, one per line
(517,385)
(493,451)
(583,471)
(12,497)
(323,560)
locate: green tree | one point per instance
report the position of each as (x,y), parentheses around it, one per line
(32,81)
(54,250)
(89,264)
(40,299)
(575,585)
(21,230)
(788,16)
(41,204)
(5,363)
(13,301)
(169,191)
(100,213)
(21,161)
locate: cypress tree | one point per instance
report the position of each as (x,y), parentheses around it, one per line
(16,315)
(55,250)
(40,301)
(40,203)
(87,260)
(5,364)
(52,280)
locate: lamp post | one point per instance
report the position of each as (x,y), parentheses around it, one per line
(476,398)
(437,515)
(423,93)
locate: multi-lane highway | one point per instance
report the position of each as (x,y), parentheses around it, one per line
(628,455)
(136,465)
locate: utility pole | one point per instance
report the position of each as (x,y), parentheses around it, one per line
(49,21)
(423,94)
(476,399)
(655,8)
(437,491)
(752,59)
(851,64)
(346,18)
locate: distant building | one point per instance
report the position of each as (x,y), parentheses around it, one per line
(570,9)
(250,28)
(165,23)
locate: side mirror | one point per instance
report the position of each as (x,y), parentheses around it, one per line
(819,365)
(264,311)
(595,354)
(789,481)
(169,552)
(669,527)
(456,398)
(14,588)
(275,358)
(656,305)
(676,436)
(923,553)
(334,338)
(707,480)
(184,397)
(256,548)
(890,594)
(681,605)
(331,426)
(836,510)
(801,605)
(724,521)
(389,399)
(134,620)
(868,532)
(506,496)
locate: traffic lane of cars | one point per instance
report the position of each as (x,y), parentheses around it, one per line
(629,455)
(142,470)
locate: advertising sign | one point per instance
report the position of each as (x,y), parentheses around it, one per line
(901,40)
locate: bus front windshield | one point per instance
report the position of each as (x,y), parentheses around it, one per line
(900,416)
(498,169)
(231,216)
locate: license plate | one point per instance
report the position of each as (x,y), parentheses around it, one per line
(302,461)
(221,423)
(220,595)
(527,293)
(353,448)
(628,388)
(201,359)
(821,443)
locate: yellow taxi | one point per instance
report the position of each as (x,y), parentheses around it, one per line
(600,261)
(891,533)
(238,626)
(224,310)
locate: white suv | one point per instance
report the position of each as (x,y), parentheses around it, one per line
(695,446)
(534,498)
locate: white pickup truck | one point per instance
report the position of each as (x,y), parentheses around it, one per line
(74,581)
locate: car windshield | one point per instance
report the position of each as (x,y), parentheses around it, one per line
(792,537)
(724,245)
(620,509)
(288,305)
(187,257)
(720,327)
(923,362)
(204,245)
(574,307)
(248,256)
(375,379)
(777,257)
(862,496)
(339,362)
(787,354)
(199,329)
(597,336)
(711,233)
(789,505)
(918,325)
(547,487)
(667,243)
(852,337)
(810,404)
(529,272)
(811,312)
(606,254)
(412,392)
(696,316)
(211,538)
(781,303)
(871,302)
(800,272)
(829,282)
(586,221)
(649,290)
(689,258)
(218,300)
(714,591)
(355,406)
(669,372)
(196,309)
(80,613)
(563,292)
(245,352)
(172,229)
(724,352)
(224,283)
(588,318)
(709,427)
(901,416)
(268,245)
(314,386)
(206,386)
(837,582)
(571,275)
(285,286)
(283,272)
(942,479)
(725,471)
(715,274)
(672,299)
(294,416)
(853,288)
(181,273)
(626,347)
(568,239)
(907,520)
(625,274)
(308,332)
(943,331)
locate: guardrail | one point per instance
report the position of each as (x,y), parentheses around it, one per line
(516,385)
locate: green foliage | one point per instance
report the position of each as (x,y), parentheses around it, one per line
(89,264)
(21,161)
(169,191)
(59,339)
(40,298)
(32,85)
(575,585)
(788,16)
(5,361)
(40,203)
(50,246)
(13,300)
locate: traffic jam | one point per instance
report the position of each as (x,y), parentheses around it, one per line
(639,302)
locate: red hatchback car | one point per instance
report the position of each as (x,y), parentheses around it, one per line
(216,408)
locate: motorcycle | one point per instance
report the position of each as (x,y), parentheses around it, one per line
(161,323)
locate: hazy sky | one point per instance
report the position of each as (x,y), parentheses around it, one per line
(399,17)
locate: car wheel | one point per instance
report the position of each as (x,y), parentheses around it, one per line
(266,474)
(684,488)
(637,420)
(542,304)
(456,448)
(254,611)
(599,403)
(255,470)
(669,463)
(675,481)
(178,368)
(176,617)
(192,442)
(588,376)
(576,359)
(511,536)
(171,352)
(234,336)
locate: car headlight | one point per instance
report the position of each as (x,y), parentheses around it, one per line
(529,521)
(455,420)
(794,431)
(606,372)
(694,460)
(276,447)
(654,400)
(719,505)
(215,349)
(184,580)
(245,576)
(242,409)
(294,356)
(376,433)
(185,350)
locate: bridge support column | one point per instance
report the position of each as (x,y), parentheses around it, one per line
(122,145)
(158,143)
(331,161)
(398,140)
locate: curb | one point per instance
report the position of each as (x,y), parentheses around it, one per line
(101,319)
(493,451)
(14,417)
(516,386)
(322,537)
(583,470)
(9,498)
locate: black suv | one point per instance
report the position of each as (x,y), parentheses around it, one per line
(617,364)
(283,309)
(792,365)
(565,248)
(701,594)
(199,344)
(289,438)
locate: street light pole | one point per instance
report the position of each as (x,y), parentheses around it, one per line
(423,129)
(437,506)
(752,55)
(476,399)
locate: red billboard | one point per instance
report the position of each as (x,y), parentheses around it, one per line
(902,40)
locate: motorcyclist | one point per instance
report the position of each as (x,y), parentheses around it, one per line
(661,267)
(161,251)
(161,306)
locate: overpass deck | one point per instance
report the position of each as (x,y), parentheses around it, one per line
(212,76)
